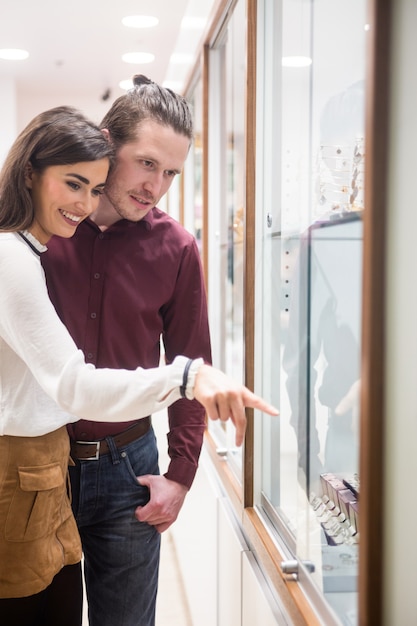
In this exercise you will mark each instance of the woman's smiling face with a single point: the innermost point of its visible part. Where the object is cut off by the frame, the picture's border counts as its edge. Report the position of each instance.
(64, 195)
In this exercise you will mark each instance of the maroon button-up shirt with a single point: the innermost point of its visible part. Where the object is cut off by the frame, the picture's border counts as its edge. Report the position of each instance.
(117, 292)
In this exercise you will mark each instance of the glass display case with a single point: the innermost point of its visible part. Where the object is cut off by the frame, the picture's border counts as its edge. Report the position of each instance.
(309, 288)
(284, 163)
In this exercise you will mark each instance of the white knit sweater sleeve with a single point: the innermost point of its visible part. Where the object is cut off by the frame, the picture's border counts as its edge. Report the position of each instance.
(35, 343)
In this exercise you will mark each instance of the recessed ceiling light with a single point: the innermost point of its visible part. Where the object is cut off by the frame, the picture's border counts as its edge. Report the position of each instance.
(126, 84)
(296, 61)
(138, 57)
(140, 21)
(13, 54)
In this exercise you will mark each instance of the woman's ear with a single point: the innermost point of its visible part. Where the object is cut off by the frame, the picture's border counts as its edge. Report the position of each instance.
(106, 133)
(28, 175)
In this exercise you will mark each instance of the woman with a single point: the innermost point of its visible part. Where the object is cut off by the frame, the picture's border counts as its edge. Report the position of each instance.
(51, 180)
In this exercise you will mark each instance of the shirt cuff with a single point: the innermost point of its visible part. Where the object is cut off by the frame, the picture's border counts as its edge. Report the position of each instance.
(181, 471)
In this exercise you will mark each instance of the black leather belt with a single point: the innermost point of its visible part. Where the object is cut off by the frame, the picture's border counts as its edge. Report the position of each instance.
(92, 450)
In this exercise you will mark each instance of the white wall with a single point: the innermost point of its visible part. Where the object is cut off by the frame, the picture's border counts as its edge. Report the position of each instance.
(29, 105)
(401, 375)
(8, 122)
(18, 109)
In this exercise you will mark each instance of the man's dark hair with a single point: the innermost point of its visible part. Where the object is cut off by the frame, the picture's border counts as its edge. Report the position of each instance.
(147, 101)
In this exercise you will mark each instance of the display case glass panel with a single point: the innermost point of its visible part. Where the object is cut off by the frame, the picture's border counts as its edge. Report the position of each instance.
(227, 93)
(192, 173)
(309, 285)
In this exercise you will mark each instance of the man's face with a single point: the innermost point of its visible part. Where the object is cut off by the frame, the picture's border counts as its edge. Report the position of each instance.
(144, 169)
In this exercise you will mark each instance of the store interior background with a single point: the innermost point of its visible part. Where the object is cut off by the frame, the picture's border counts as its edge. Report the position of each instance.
(75, 58)
(75, 53)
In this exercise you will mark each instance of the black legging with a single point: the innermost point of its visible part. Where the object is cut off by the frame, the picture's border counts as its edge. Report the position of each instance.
(58, 605)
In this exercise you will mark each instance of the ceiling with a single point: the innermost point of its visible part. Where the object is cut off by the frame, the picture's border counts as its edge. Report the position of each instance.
(76, 47)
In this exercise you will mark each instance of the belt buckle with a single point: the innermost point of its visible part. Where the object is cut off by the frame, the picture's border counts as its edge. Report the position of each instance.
(91, 443)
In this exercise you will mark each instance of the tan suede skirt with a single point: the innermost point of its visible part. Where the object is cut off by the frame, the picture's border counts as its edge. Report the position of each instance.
(38, 533)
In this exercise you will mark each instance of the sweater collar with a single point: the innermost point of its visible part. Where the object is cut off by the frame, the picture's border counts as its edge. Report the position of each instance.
(32, 242)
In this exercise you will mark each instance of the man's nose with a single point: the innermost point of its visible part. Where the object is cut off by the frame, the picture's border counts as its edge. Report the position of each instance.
(153, 183)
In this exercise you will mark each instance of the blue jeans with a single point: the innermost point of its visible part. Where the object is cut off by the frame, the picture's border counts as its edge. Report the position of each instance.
(121, 555)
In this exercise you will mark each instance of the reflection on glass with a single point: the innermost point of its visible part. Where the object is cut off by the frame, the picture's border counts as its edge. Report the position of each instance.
(235, 189)
(192, 173)
(233, 110)
(311, 300)
(333, 309)
(197, 162)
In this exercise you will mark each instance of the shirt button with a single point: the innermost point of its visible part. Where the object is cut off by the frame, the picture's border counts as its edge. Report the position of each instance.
(89, 355)
(93, 316)
(96, 275)
(101, 236)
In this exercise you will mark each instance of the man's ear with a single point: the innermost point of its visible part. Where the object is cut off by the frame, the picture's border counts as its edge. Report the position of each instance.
(28, 174)
(106, 133)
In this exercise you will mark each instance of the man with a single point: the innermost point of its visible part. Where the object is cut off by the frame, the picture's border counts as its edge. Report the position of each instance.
(130, 275)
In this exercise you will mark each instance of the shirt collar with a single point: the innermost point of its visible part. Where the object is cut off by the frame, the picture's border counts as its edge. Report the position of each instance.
(147, 222)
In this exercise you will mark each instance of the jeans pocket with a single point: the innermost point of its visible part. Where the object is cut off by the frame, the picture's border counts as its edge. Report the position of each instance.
(36, 504)
(141, 457)
(129, 464)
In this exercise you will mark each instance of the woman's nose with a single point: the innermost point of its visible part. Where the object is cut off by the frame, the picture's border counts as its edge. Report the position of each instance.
(88, 205)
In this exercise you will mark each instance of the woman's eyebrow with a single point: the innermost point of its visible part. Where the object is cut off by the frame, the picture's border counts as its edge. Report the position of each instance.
(85, 180)
(80, 178)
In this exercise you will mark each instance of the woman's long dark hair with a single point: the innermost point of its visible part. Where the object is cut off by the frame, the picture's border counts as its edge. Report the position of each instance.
(58, 136)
